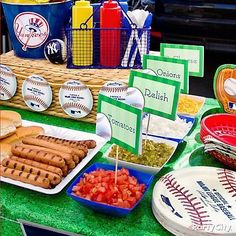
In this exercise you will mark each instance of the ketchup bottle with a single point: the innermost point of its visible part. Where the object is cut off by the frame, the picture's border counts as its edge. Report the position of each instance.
(110, 17)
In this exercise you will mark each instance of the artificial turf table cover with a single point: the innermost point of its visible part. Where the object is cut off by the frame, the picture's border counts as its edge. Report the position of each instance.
(63, 213)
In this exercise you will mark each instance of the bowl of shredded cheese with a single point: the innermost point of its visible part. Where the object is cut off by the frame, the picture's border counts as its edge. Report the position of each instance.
(190, 104)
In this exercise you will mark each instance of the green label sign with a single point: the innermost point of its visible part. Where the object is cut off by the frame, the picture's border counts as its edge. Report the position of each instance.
(161, 95)
(125, 122)
(194, 55)
(169, 68)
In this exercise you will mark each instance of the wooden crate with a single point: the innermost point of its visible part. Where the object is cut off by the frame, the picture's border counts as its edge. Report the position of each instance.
(56, 75)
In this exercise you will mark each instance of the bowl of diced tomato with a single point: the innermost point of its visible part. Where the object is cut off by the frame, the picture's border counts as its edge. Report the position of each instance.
(95, 188)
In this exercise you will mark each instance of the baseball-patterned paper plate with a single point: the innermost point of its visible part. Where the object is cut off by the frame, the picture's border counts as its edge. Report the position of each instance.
(8, 84)
(166, 224)
(37, 93)
(114, 89)
(76, 99)
(134, 97)
(103, 126)
(197, 201)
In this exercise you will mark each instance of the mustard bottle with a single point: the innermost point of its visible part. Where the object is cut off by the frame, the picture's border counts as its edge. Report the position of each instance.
(82, 39)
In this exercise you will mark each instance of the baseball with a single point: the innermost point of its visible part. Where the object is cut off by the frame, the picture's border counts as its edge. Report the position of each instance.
(115, 90)
(149, 72)
(55, 51)
(37, 93)
(230, 86)
(76, 99)
(103, 126)
(134, 97)
(8, 84)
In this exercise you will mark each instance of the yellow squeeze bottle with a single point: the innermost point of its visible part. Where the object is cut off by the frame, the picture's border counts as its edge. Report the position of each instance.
(82, 39)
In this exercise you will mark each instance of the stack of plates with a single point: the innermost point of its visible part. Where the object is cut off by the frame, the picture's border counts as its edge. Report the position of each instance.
(212, 144)
(196, 201)
(218, 133)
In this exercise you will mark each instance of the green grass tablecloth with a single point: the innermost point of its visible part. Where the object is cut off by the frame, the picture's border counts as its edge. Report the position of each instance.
(63, 213)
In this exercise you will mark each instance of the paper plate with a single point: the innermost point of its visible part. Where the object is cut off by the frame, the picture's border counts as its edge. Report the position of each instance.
(197, 200)
(166, 224)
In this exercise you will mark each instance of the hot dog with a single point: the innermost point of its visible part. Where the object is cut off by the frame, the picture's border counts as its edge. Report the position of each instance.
(65, 170)
(53, 178)
(67, 157)
(71, 143)
(25, 177)
(40, 165)
(37, 155)
(76, 154)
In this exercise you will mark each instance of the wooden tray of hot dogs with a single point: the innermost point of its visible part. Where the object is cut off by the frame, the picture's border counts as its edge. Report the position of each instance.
(44, 171)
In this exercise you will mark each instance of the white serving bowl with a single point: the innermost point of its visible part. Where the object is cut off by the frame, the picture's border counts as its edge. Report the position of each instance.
(143, 168)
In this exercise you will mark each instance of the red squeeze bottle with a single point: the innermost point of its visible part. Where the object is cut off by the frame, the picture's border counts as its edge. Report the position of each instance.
(110, 17)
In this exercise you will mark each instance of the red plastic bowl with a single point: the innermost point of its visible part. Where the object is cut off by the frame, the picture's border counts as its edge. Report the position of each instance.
(223, 128)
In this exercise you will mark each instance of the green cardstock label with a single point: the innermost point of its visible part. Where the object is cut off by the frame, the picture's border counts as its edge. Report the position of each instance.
(169, 68)
(161, 95)
(125, 122)
(194, 55)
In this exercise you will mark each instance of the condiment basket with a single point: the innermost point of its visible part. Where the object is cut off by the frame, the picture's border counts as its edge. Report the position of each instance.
(85, 45)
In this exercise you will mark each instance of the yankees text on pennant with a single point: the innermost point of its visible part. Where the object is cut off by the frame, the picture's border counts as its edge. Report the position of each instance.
(169, 68)
(125, 122)
(161, 95)
(194, 54)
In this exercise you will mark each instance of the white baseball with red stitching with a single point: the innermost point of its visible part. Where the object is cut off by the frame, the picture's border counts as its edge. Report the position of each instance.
(201, 199)
(103, 126)
(76, 99)
(134, 97)
(37, 93)
(114, 89)
(230, 86)
(149, 72)
(8, 84)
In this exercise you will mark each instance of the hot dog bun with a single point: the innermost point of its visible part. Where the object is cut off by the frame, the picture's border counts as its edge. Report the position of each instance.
(6, 128)
(13, 139)
(5, 151)
(22, 132)
(29, 131)
(12, 116)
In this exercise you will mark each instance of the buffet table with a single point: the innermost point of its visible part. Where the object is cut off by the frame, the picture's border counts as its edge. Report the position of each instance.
(62, 213)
